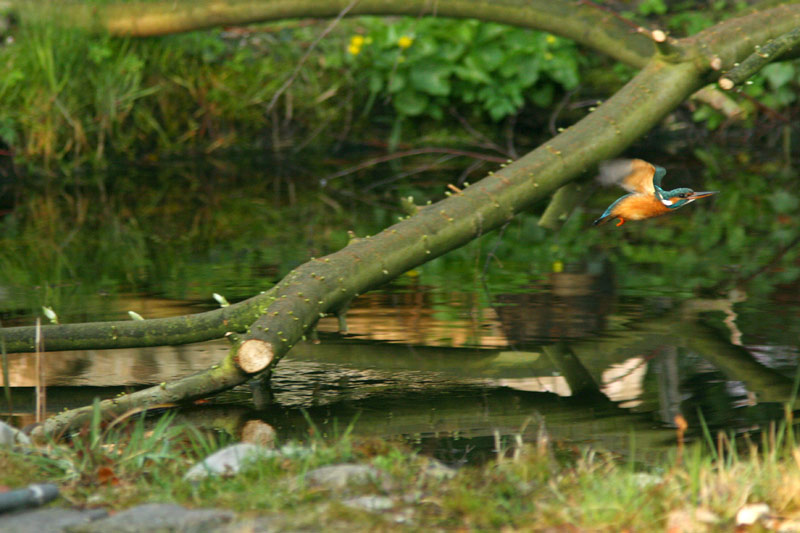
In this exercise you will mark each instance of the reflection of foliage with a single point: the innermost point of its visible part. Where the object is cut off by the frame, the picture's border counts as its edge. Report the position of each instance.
(426, 65)
(189, 233)
(705, 245)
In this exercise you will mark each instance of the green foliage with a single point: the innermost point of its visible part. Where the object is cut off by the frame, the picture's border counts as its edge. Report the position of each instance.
(70, 97)
(424, 66)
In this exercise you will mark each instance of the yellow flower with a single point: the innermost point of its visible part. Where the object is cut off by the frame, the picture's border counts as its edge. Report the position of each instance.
(357, 40)
(551, 39)
(404, 42)
(558, 266)
(353, 49)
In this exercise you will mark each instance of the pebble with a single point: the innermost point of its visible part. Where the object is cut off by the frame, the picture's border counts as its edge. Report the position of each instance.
(50, 520)
(10, 436)
(342, 476)
(228, 461)
(161, 517)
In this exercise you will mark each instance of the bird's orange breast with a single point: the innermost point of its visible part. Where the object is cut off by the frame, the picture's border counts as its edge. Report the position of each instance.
(639, 207)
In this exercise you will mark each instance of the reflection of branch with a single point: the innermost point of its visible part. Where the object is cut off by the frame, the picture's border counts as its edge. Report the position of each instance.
(774, 261)
(737, 363)
(419, 151)
(725, 305)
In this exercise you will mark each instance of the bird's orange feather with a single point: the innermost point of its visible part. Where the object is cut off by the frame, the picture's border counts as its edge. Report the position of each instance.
(639, 207)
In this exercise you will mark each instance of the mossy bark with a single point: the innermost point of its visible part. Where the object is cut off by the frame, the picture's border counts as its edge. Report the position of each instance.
(579, 21)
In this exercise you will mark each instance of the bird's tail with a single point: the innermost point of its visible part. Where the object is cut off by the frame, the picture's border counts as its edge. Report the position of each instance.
(602, 220)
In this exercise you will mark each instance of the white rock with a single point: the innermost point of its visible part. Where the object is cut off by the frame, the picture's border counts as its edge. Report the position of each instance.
(10, 436)
(228, 461)
(375, 504)
(343, 475)
(751, 513)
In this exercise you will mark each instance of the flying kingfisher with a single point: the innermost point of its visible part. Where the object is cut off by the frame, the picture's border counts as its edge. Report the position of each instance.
(646, 198)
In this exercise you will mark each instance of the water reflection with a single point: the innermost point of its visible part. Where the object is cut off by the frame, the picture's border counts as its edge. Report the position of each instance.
(422, 363)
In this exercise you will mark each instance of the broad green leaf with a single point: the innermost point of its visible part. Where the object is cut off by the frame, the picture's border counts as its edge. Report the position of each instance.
(409, 102)
(779, 74)
(432, 78)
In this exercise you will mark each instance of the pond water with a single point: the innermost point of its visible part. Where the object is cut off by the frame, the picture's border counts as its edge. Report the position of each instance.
(601, 339)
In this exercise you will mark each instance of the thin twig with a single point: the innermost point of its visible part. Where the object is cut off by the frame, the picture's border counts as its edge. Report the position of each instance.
(311, 48)
(488, 143)
(6, 373)
(41, 394)
(407, 153)
(558, 109)
(403, 175)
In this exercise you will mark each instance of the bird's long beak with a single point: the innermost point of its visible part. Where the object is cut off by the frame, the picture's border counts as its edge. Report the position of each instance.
(701, 194)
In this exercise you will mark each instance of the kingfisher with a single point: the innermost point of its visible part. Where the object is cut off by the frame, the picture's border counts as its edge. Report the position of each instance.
(646, 198)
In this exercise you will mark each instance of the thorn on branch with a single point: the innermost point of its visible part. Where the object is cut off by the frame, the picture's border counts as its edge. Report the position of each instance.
(408, 206)
(454, 188)
(666, 46)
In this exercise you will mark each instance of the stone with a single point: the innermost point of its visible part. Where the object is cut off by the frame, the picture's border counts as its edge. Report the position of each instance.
(751, 513)
(373, 504)
(345, 475)
(438, 470)
(158, 518)
(50, 520)
(10, 436)
(228, 461)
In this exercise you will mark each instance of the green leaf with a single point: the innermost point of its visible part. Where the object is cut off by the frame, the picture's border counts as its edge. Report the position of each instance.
(432, 78)
(470, 72)
(409, 102)
(376, 82)
(397, 82)
(779, 74)
(489, 57)
(784, 202)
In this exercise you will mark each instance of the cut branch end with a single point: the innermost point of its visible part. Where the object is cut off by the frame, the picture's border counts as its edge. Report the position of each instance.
(254, 356)
(726, 84)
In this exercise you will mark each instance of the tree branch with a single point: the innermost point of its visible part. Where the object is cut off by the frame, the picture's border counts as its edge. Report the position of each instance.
(758, 59)
(580, 22)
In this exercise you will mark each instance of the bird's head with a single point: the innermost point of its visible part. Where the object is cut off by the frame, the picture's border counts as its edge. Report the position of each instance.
(680, 197)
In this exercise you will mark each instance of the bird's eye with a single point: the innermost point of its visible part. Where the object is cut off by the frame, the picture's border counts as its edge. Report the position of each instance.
(683, 195)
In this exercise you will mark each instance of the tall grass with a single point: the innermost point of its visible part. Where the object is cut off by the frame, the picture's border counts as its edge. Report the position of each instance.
(70, 97)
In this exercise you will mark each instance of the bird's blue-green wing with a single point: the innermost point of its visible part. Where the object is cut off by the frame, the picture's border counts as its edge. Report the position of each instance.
(634, 175)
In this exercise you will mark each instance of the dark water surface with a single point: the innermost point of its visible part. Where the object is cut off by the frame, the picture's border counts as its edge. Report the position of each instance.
(475, 345)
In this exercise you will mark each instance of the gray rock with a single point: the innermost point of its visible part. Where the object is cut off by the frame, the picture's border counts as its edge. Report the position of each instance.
(158, 518)
(10, 436)
(257, 524)
(374, 504)
(438, 470)
(228, 461)
(345, 475)
(51, 520)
